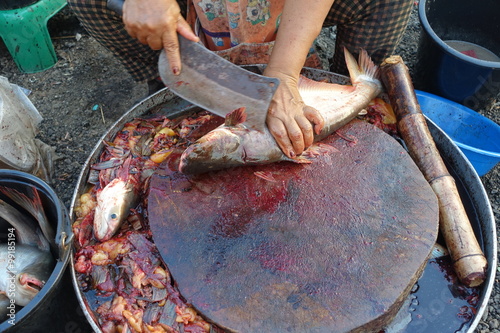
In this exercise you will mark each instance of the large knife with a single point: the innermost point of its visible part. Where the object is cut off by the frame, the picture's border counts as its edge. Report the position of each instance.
(218, 85)
(213, 83)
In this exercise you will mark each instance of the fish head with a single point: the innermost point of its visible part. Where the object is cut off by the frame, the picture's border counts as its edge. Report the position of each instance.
(220, 148)
(114, 202)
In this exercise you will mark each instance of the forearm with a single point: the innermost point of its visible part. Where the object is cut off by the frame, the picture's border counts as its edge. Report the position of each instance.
(288, 119)
(301, 23)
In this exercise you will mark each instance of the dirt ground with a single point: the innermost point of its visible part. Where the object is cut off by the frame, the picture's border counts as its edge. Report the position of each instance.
(88, 90)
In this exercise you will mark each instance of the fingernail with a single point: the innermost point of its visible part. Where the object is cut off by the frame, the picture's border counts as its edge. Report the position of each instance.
(175, 70)
(292, 154)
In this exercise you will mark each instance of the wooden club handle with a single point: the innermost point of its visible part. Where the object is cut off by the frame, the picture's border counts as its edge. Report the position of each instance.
(468, 259)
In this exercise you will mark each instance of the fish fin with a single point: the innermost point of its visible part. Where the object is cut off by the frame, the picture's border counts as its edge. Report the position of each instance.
(317, 149)
(265, 175)
(123, 171)
(43, 244)
(302, 159)
(384, 109)
(42, 219)
(364, 67)
(236, 117)
(113, 162)
(256, 120)
(351, 139)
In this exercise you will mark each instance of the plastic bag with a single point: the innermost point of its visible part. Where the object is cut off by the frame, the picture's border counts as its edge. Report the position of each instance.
(19, 121)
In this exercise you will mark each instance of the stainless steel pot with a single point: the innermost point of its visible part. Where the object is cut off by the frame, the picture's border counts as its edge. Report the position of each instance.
(166, 103)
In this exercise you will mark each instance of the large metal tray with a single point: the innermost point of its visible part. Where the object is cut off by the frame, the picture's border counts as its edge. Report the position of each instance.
(472, 191)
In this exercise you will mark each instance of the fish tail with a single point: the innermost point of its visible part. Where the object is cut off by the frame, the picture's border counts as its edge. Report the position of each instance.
(364, 68)
(43, 221)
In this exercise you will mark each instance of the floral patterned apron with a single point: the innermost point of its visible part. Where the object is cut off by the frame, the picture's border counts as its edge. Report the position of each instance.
(241, 31)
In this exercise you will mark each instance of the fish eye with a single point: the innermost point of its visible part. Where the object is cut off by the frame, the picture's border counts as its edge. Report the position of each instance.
(113, 216)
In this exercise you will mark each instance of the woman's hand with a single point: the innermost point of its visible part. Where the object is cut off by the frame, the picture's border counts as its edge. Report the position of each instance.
(289, 120)
(156, 23)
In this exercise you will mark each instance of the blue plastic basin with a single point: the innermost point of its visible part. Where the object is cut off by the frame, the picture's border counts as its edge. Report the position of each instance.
(477, 136)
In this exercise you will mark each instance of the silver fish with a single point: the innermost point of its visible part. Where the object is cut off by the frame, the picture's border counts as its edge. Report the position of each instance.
(27, 231)
(35, 207)
(113, 205)
(233, 144)
(24, 270)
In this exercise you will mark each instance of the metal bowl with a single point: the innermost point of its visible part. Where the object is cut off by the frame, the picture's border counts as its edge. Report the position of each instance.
(38, 314)
(475, 198)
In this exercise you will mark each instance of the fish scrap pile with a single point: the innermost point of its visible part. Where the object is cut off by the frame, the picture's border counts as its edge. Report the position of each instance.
(26, 261)
(117, 263)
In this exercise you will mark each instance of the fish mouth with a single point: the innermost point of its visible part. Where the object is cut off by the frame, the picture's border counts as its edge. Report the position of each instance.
(104, 232)
(102, 237)
(31, 283)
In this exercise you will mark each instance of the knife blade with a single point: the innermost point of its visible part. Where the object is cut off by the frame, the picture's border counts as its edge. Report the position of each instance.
(217, 85)
(214, 83)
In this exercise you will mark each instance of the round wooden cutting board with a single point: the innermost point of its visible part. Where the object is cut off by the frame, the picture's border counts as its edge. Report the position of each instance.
(332, 246)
